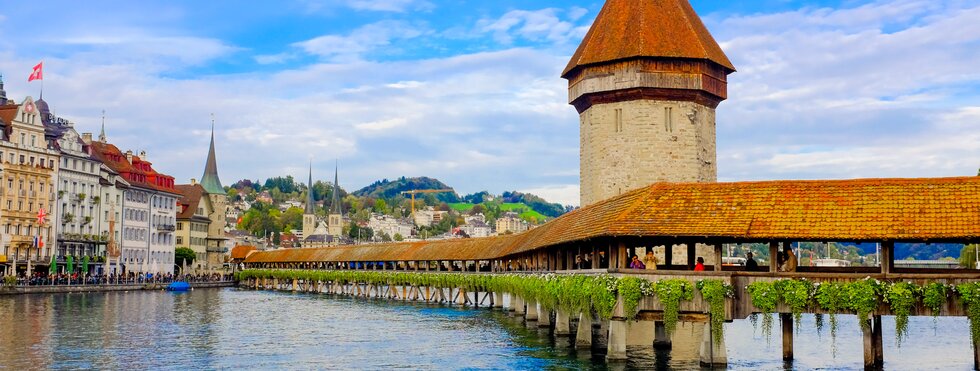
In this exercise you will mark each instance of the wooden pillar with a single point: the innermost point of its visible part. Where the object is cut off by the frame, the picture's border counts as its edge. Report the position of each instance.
(876, 335)
(583, 336)
(718, 250)
(976, 356)
(872, 341)
(660, 338)
(887, 257)
(786, 322)
(691, 254)
(773, 253)
(621, 258)
(669, 254)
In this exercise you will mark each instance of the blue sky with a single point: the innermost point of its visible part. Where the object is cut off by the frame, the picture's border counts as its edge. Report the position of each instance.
(469, 91)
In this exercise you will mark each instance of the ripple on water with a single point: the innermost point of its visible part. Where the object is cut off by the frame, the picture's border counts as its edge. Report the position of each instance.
(230, 329)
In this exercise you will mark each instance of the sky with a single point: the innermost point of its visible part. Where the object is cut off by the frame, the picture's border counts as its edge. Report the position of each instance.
(469, 91)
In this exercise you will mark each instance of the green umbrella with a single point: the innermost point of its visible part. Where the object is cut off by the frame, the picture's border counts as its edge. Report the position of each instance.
(69, 267)
(85, 265)
(53, 268)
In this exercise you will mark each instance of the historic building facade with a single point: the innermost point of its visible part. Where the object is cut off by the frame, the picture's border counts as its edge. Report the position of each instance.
(79, 205)
(149, 211)
(646, 97)
(30, 167)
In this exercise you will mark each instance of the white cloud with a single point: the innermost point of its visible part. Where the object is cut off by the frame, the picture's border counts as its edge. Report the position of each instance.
(363, 40)
(274, 58)
(565, 194)
(535, 25)
(398, 6)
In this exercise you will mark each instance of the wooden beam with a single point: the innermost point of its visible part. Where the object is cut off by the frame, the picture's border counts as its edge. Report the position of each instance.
(691, 254)
(717, 249)
(681, 317)
(887, 257)
(773, 252)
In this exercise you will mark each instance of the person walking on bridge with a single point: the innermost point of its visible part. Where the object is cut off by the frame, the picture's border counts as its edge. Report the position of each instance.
(650, 260)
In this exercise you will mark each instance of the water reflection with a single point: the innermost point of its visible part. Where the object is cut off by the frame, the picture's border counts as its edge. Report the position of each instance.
(229, 328)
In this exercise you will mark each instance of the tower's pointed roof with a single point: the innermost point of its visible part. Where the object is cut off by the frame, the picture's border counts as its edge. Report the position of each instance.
(335, 204)
(210, 179)
(310, 210)
(647, 28)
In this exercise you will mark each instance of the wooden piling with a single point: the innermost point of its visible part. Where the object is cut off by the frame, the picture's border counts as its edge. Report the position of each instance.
(786, 322)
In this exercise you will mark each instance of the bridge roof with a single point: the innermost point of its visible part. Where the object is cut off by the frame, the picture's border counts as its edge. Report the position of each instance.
(920, 209)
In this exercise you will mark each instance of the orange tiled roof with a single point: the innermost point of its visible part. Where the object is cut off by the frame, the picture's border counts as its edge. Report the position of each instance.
(819, 210)
(189, 200)
(647, 28)
(241, 251)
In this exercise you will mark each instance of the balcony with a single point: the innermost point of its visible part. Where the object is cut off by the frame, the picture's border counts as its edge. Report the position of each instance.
(217, 249)
(84, 238)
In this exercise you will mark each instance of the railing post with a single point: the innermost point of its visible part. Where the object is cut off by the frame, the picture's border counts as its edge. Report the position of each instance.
(773, 253)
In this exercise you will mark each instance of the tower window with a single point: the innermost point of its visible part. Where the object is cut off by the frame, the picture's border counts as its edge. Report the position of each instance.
(668, 119)
(619, 120)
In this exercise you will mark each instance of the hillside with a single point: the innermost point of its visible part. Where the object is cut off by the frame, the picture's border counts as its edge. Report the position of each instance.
(388, 189)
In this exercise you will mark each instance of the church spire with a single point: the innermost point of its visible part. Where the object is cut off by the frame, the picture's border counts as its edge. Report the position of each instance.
(335, 204)
(310, 209)
(209, 180)
(102, 133)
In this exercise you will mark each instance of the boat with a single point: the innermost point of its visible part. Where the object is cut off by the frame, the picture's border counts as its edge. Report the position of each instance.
(178, 286)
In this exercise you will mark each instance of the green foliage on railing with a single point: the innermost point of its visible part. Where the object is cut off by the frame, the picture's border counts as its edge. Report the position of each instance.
(715, 291)
(798, 294)
(632, 289)
(765, 296)
(970, 295)
(934, 297)
(832, 297)
(901, 298)
(863, 297)
(671, 292)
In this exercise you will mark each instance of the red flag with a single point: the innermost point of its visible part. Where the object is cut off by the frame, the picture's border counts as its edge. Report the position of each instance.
(37, 73)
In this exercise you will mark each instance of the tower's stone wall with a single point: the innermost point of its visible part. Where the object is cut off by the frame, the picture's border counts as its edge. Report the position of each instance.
(631, 144)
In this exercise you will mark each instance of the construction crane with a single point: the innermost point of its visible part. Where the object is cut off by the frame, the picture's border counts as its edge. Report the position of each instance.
(418, 191)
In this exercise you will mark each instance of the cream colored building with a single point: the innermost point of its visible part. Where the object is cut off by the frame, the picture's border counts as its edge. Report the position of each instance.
(30, 168)
(511, 222)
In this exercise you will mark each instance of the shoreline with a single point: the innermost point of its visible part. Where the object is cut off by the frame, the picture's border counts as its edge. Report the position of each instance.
(64, 289)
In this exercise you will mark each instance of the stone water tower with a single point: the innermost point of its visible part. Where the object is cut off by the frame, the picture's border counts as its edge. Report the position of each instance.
(646, 81)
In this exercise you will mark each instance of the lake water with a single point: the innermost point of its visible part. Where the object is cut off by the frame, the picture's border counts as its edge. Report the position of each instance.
(231, 328)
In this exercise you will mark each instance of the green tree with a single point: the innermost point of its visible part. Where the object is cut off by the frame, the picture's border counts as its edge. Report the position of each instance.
(292, 219)
(398, 237)
(184, 255)
(380, 206)
(232, 194)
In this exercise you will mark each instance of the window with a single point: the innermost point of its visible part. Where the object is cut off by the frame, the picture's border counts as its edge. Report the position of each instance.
(33, 140)
(668, 119)
(180, 240)
(22, 159)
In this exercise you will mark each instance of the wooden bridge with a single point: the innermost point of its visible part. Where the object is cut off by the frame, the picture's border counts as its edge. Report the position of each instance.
(682, 222)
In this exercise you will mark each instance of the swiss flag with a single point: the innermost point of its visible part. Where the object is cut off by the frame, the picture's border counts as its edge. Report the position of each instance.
(37, 74)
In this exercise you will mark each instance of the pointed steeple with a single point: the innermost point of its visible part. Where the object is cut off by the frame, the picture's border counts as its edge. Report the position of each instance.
(102, 133)
(626, 29)
(310, 207)
(335, 204)
(209, 180)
